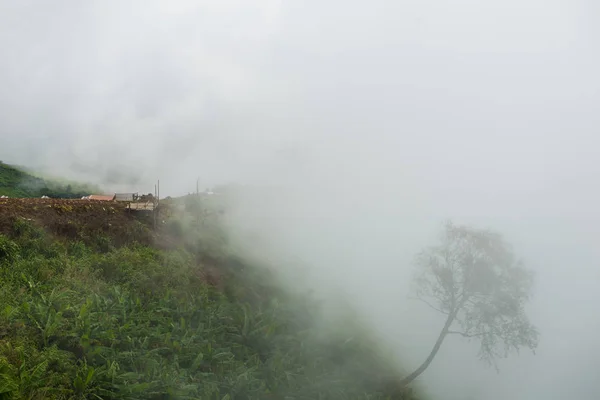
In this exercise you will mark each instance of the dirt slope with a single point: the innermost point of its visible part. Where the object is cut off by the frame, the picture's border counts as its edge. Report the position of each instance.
(77, 219)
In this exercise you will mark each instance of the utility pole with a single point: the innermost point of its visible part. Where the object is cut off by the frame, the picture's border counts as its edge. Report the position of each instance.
(154, 207)
(198, 187)
(157, 202)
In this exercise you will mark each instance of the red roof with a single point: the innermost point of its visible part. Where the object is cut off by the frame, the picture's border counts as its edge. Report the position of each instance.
(101, 197)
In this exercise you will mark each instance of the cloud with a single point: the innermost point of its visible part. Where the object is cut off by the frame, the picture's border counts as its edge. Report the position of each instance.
(379, 118)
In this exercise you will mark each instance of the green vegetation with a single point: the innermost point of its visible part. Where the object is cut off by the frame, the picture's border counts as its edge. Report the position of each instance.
(15, 182)
(99, 317)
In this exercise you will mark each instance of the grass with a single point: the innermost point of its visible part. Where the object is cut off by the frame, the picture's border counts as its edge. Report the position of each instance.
(92, 319)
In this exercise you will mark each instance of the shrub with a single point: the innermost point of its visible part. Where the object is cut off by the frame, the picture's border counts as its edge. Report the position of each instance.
(84, 321)
(9, 250)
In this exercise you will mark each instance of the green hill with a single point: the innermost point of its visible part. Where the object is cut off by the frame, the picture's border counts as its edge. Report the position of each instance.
(17, 182)
(96, 303)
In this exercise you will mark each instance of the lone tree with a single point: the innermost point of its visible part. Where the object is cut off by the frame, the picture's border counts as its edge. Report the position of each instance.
(473, 277)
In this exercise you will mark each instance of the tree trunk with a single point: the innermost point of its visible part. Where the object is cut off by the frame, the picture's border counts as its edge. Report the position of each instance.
(436, 347)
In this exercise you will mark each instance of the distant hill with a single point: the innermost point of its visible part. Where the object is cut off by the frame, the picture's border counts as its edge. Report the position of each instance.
(17, 182)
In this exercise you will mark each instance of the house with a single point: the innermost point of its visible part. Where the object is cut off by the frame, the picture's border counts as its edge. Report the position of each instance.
(100, 197)
(126, 197)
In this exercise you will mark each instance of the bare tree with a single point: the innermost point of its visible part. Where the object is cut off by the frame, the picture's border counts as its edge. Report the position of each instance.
(473, 277)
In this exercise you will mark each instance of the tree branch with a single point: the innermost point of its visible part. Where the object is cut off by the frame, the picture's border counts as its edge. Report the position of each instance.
(467, 335)
(429, 304)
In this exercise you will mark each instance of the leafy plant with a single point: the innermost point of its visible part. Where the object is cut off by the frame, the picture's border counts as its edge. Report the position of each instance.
(100, 318)
(9, 250)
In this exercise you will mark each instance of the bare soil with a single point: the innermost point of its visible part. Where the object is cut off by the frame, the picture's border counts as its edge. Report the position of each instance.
(76, 219)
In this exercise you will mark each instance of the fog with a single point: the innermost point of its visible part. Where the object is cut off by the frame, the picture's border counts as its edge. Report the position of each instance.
(378, 120)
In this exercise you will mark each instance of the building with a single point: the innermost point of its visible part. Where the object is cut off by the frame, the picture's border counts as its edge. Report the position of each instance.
(101, 197)
(126, 197)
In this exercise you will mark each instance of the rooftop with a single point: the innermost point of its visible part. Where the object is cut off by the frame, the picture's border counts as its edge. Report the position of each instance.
(101, 197)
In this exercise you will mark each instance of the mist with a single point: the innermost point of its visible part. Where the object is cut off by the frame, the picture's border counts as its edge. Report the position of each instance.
(376, 121)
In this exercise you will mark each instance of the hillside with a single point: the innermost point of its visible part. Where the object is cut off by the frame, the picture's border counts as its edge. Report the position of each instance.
(17, 182)
(96, 304)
